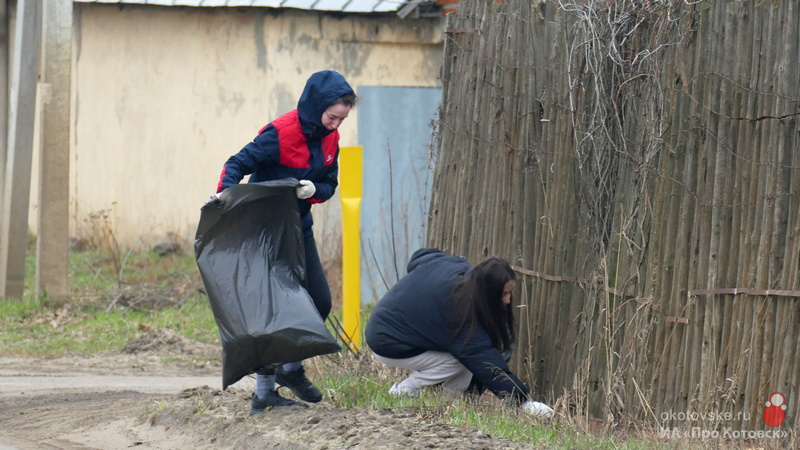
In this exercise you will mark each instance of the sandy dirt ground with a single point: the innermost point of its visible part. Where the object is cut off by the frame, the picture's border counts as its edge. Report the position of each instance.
(144, 397)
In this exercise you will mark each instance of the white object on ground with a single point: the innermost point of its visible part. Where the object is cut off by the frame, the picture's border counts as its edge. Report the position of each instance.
(537, 409)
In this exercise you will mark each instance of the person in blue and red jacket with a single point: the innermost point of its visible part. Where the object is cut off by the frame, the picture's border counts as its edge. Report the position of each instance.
(450, 323)
(301, 144)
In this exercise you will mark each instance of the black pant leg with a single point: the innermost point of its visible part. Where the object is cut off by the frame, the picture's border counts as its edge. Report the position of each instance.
(316, 281)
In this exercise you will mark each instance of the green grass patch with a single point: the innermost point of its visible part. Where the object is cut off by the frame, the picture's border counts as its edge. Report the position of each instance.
(358, 381)
(112, 299)
(31, 329)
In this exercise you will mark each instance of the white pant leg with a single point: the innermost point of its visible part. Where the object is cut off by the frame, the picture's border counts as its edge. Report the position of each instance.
(432, 368)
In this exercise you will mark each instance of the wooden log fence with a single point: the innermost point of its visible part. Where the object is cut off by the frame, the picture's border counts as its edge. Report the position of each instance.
(638, 164)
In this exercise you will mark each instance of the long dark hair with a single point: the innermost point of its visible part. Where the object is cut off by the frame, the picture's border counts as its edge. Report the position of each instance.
(477, 299)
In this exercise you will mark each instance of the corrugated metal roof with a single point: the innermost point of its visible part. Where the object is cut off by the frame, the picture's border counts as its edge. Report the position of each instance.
(353, 6)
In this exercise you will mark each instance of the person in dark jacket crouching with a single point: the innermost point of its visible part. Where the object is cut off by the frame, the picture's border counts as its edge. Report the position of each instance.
(451, 324)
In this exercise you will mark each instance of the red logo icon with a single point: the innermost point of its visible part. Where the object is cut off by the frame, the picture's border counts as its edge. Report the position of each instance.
(775, 412)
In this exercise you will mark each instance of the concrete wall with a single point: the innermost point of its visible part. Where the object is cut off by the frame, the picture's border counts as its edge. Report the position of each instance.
(163, 96)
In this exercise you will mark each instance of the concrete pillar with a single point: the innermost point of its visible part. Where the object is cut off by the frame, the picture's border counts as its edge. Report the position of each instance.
(3, 95)
(22, 113)
(52, 251)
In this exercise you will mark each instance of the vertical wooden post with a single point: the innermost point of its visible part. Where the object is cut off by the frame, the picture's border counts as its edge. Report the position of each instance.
(16, 191)
(52, 250)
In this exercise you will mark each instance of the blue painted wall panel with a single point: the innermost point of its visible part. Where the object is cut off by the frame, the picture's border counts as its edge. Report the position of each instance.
(395, 128)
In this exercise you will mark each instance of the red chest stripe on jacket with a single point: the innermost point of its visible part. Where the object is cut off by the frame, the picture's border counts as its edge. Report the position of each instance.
(293, 147)
(221, 177)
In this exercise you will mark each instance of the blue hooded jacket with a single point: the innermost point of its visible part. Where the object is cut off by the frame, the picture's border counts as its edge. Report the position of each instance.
(296, 145)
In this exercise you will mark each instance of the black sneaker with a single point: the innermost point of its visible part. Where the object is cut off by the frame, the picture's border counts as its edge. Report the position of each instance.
(297, 382)
(271, 400)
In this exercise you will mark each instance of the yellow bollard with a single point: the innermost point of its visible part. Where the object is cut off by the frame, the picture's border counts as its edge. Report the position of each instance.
(351, 165)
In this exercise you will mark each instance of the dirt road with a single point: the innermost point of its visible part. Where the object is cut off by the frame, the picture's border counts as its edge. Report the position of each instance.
(143, 399)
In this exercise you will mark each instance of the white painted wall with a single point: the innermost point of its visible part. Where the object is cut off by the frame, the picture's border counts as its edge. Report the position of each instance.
(163, 96)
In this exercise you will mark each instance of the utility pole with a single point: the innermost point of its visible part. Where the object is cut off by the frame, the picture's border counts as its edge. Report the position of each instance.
(52, 245)
(22, 114)
(4, 42)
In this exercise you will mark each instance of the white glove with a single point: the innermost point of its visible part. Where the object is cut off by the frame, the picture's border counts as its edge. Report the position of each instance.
(306, 189)
(212, 198)
(537, 409)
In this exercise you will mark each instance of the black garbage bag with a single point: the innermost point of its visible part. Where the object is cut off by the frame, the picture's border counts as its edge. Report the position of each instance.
(249, 248)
